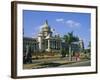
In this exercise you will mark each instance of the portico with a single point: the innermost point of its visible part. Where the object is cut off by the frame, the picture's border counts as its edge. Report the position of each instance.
(53, 45)
(48, 42)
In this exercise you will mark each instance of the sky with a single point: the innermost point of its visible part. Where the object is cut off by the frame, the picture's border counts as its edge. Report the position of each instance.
(60, 22)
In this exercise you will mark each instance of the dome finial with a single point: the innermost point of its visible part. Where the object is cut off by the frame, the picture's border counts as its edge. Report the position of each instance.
(46, 22)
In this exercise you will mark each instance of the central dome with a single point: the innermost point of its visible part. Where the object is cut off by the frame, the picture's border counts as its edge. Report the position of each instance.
(46, 27)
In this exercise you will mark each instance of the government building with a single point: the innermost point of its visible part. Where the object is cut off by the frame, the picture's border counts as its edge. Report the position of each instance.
(48, 42)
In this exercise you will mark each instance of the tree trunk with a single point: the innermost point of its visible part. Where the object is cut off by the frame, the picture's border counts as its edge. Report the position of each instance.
(70, 53)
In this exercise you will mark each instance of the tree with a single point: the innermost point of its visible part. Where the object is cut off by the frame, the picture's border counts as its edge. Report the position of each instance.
(28, 57)
(89, 47)
(63, 53)
(69, 38)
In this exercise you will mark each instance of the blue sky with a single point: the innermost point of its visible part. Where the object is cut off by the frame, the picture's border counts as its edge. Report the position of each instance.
(62, 22)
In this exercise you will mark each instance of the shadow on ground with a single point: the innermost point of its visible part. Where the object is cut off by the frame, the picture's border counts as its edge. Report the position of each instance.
(50, 64)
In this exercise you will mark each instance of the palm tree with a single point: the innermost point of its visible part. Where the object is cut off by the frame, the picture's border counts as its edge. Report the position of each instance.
(89, 47)
(69, 38)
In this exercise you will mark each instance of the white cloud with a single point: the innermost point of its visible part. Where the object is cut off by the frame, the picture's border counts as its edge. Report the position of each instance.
(69, 23)
(60, 20)
(72, 23)
(37, 29)
(40, 27)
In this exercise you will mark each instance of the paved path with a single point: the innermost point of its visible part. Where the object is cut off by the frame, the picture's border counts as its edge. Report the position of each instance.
(56, 62)
(82, 63)
(49, 60)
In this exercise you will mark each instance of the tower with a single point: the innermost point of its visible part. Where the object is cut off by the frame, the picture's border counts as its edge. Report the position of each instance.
(44, 32)
(46, 29)
(40, 40)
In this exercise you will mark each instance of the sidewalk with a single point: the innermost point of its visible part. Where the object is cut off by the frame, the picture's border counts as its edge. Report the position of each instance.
(53, 62)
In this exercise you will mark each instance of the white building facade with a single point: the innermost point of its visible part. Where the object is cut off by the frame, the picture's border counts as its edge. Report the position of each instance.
(47, 42)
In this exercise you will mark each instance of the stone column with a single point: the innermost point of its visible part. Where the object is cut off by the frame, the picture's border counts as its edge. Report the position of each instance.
(60, 45)
(51, 43)
(56, 45)
(48, 45)
(36, 47)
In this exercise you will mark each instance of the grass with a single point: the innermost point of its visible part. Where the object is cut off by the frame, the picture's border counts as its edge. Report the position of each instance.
(46, 64)
(45, 55)
(44, 60)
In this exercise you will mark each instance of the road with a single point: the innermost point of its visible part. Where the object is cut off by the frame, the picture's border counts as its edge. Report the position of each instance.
(83, 63)
(56, 62)
(49, 60)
